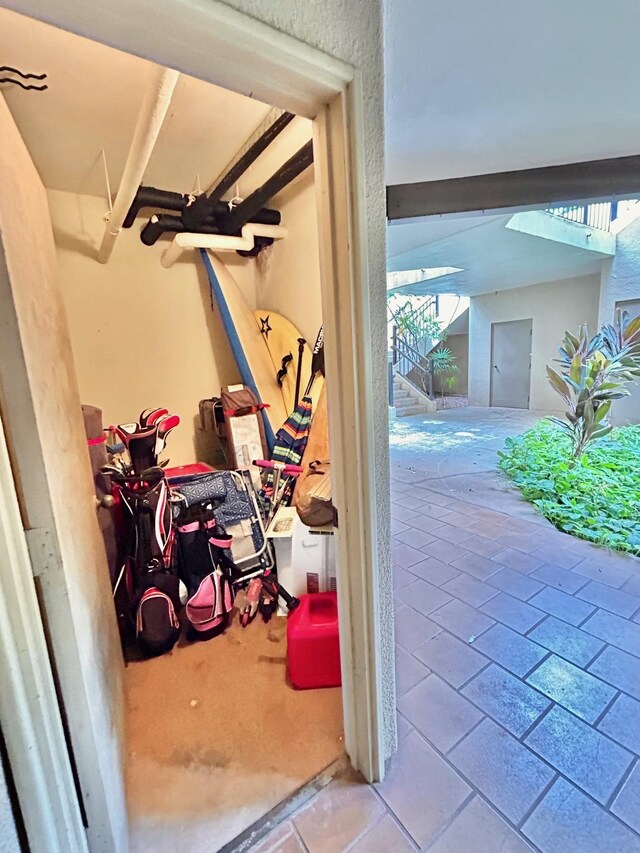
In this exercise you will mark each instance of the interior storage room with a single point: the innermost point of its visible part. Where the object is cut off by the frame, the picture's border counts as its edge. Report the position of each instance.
(190, 295)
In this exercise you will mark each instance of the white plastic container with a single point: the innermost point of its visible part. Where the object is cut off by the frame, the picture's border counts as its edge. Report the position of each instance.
(305, 555)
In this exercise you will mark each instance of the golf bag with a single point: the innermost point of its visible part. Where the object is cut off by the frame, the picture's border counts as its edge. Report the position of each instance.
(228, 498)
(151, 592)
(207, 570)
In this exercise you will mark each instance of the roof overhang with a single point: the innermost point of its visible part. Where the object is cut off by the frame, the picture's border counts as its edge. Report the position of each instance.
(496, 252)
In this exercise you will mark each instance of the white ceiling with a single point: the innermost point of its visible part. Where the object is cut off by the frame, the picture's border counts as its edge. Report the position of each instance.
(92, 103)
(471, 88)
(495, 252)
(474, 87)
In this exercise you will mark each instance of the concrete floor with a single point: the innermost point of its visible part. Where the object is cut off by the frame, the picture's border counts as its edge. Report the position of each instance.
(518, 670)
(217, 738)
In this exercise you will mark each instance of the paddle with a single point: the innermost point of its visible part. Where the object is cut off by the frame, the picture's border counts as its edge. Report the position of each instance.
(301, 345)
(317, 360)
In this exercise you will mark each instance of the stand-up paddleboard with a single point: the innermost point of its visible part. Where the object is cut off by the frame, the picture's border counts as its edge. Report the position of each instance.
(247, 345)
(281, 338)
(312, 495)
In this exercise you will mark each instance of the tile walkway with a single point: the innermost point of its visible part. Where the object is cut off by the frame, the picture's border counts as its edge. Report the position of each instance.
(518, 672)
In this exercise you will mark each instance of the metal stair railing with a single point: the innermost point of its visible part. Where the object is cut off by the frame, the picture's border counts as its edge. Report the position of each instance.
(427, 310)
(406, 359)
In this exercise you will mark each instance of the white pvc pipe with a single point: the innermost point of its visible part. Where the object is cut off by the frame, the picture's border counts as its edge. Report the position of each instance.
(221, 242)
(153, 110)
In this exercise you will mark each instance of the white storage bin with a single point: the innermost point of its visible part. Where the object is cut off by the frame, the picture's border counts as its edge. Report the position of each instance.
(305, 555)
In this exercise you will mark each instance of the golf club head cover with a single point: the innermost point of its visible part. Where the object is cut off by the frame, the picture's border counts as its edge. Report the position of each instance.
(165, 424)
(149, 417)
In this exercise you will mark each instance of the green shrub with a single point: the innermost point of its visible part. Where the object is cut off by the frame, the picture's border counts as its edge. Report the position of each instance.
(595, 497)
(443, 365)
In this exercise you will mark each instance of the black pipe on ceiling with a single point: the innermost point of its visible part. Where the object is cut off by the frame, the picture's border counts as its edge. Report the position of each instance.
(231, 222)
(238, 169)
(199, 212)
(152, 197)
(209, 214)
(238, 216)
(204, 207)
(163, 223)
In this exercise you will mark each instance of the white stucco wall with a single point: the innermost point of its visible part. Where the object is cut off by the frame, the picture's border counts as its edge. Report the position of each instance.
(554, 307)
(620, 282)
(352, 31)
(162, 305)
(620, 278)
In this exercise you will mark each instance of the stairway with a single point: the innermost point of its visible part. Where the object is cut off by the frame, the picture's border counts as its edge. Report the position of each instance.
(408, 400)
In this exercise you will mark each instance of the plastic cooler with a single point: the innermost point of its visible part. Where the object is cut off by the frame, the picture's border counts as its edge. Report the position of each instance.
(313, 644)
(305, 555)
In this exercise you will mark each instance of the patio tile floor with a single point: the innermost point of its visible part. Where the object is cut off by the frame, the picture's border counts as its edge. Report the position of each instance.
(587, 758)
(569, 686)
(565, 640)
(512, 651)
(622, 722)
(512, 612)
(519, 720)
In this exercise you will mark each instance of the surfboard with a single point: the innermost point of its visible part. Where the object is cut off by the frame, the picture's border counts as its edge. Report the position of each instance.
(281, 338)
(247, 344)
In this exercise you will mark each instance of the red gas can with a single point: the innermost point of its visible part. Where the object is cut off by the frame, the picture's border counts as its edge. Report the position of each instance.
(313, 645)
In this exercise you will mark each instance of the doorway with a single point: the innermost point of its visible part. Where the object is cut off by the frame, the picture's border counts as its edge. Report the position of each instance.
(364, 729)
(511, 364)
(205, 723)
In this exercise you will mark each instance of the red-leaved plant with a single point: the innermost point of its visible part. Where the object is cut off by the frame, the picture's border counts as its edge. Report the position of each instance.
(594, 372)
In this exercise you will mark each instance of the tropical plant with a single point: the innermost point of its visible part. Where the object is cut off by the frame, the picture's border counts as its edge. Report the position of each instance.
(444, 364)
(593, 373)
(450, 383)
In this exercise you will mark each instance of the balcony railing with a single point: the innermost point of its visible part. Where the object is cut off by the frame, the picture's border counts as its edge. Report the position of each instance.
(599, 215)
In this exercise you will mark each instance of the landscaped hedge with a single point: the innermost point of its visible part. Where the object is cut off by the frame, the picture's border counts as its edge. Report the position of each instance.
(596, 497)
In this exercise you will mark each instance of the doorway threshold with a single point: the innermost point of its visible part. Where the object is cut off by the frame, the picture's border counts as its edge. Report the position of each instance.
(288, 807)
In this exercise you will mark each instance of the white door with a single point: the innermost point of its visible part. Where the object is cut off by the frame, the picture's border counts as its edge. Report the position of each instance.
(30, 718)
(43, 423)
(511, 363)
(627, 410)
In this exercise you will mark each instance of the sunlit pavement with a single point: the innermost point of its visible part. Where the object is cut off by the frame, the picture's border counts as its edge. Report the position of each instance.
(518, 654)
(517, 669)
